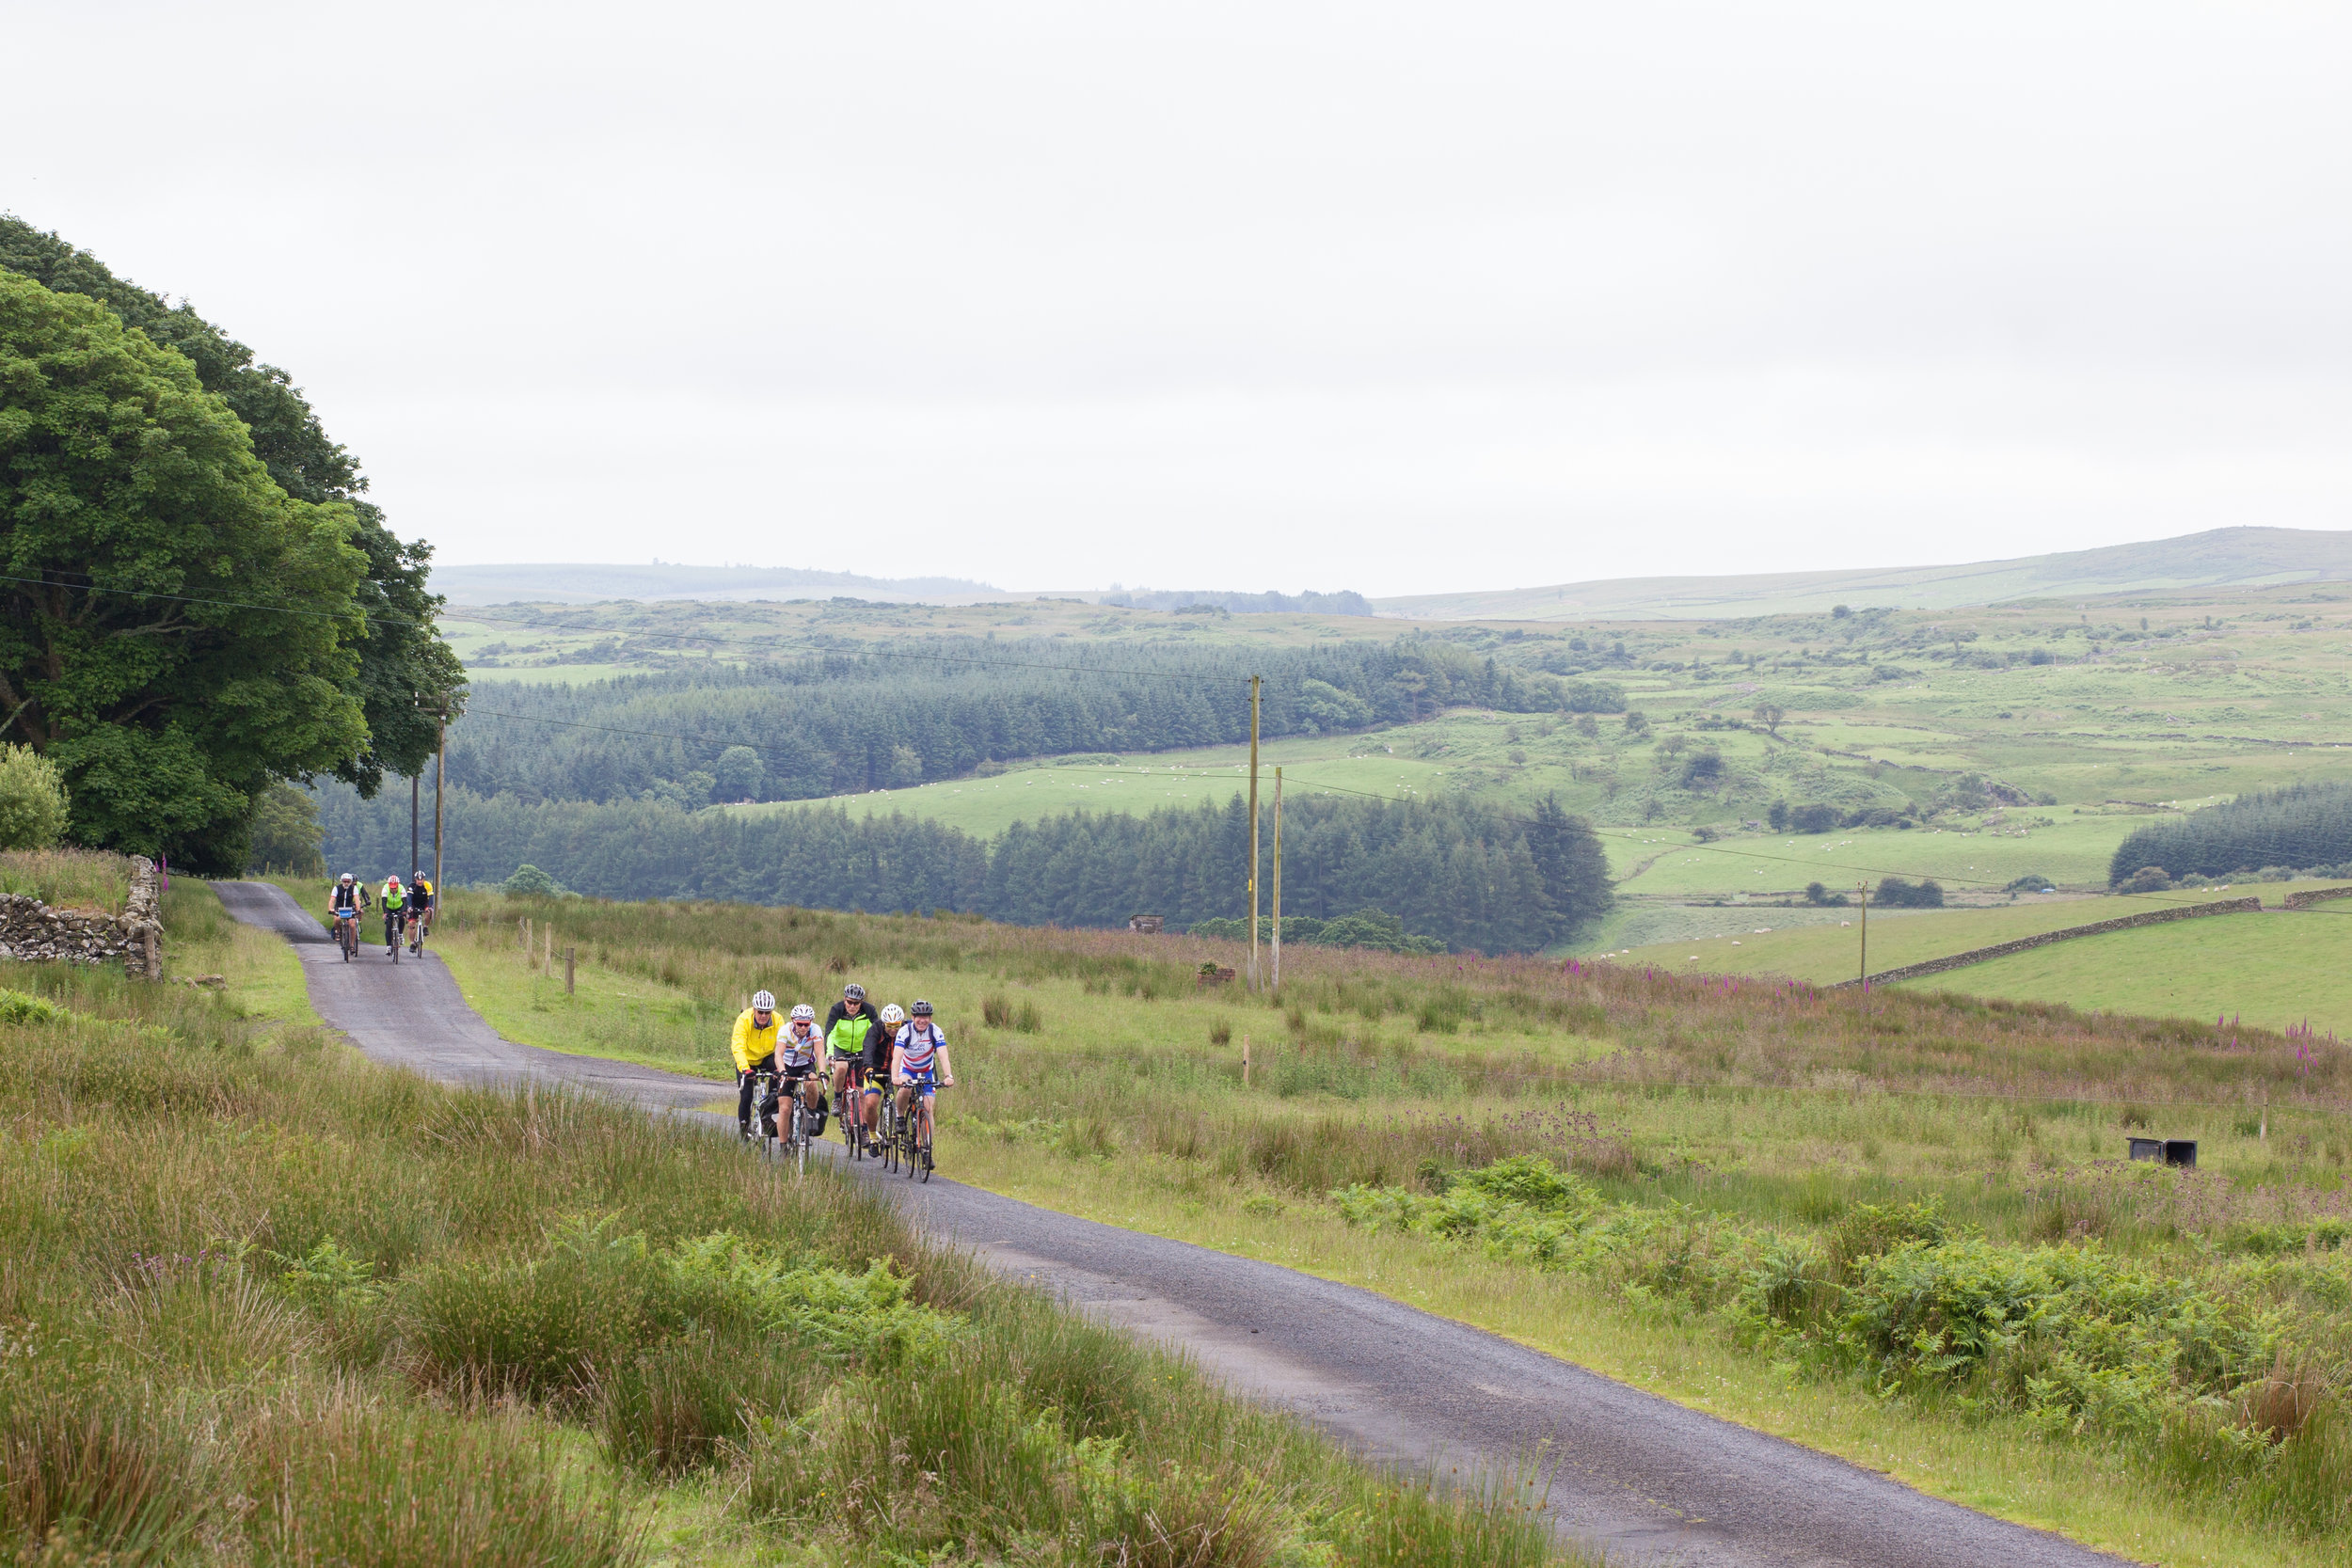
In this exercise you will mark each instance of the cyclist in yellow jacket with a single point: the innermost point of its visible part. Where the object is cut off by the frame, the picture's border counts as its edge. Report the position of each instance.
(753, 1043)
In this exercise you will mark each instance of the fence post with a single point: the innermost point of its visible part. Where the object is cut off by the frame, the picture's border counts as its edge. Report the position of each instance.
(568, 972)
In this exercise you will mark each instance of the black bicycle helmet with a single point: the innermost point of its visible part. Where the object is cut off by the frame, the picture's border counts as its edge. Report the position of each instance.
(922, 1009)
(853, 993)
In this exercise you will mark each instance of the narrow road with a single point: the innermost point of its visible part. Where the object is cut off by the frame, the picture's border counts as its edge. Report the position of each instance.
(1638, 1477)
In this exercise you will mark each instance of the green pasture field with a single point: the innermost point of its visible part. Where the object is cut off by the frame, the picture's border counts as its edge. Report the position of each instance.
(2278, 969)
(1146, 782)
(2074, 851)
(1732, 1123)
(269, 1302)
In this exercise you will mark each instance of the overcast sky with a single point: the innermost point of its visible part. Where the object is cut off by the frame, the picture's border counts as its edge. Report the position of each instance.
(1395, 298)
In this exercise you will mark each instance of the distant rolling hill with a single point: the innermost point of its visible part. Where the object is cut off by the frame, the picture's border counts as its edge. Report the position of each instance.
(589, 583)
(2226, 557)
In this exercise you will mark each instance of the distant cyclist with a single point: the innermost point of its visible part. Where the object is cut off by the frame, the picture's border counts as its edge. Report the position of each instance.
(395, 900)
(919, 1066)
(849, 1034)
(753, 1043)
(800, 1069)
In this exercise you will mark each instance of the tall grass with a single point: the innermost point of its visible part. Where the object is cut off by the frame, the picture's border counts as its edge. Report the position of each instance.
(68, 878)
(262, 1301)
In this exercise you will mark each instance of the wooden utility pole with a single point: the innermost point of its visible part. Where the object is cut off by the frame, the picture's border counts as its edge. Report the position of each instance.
(442, 705)
(1254, 834)
(1862, 897)
(1278, 884)
(440, 778)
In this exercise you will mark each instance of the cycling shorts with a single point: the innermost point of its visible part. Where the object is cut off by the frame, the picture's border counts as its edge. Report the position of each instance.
(924, 1084)
(791, 1074)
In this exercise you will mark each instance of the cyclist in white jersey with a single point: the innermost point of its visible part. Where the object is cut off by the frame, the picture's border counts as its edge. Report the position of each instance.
(800, 1052)
(919, 1060)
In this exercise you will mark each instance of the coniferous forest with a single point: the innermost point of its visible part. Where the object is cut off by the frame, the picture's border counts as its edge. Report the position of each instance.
(2302, 828)
(1467, 874)
(942, 707)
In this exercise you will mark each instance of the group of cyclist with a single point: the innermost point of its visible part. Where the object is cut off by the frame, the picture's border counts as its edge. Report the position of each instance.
(843, 1068)
(407, 909)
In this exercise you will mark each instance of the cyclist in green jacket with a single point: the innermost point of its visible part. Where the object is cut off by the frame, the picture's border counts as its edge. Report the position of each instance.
(849, 1030)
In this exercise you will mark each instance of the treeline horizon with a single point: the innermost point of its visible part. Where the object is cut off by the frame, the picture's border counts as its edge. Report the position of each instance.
(815, 727)
(1470, 875)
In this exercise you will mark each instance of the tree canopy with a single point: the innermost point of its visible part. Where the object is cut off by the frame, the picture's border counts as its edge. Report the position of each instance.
(180, 629)
(399, 653)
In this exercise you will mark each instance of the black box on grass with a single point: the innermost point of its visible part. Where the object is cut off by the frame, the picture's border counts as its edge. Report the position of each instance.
(2172, 1152)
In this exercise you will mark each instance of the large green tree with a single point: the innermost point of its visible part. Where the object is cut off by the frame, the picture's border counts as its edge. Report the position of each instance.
(401, 655)
(179, 631)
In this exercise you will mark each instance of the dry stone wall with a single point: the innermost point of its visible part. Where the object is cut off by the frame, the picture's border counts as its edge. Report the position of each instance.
(31, 931)
(2121, 923)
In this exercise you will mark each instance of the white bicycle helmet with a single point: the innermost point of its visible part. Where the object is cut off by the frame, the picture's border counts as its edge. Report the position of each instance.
(763, 1002)
(804, 1013)
(894, 1014)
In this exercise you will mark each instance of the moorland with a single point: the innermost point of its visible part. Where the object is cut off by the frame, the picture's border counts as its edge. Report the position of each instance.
(1899, 1226)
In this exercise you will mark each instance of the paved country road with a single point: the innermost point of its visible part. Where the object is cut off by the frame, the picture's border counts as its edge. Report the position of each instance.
(1640, 1478)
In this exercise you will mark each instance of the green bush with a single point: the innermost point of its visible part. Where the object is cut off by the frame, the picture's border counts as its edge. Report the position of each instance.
(529, 881)
(33, 802)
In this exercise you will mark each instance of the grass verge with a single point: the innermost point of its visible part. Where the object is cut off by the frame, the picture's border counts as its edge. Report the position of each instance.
(263, 1302)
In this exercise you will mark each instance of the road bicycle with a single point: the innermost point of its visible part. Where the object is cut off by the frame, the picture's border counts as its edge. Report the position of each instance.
(798, 1124)
(887, 1126)
(915, 1137)
(848, 1105)
(347, 933)
(415, 932)
(759, 1131)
